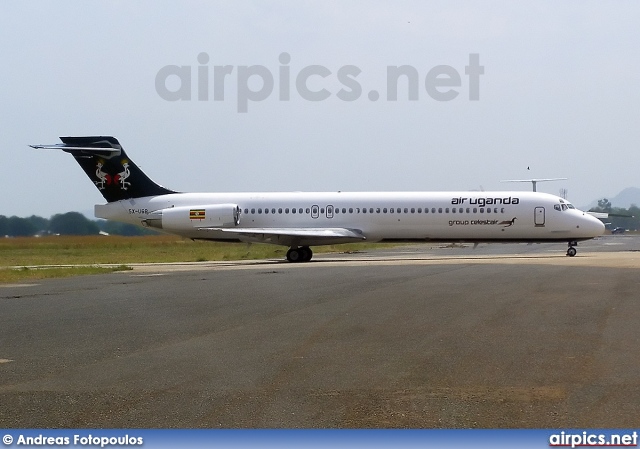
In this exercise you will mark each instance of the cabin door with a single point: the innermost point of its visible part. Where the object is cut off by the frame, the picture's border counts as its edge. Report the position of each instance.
(538, 216)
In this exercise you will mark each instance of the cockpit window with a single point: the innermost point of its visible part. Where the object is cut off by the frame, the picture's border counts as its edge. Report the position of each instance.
(563, 206)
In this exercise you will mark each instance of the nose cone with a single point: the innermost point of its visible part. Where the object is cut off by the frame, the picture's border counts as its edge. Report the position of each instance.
(592, 226)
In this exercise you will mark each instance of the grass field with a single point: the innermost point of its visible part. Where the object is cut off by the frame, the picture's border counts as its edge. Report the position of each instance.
(17, 254)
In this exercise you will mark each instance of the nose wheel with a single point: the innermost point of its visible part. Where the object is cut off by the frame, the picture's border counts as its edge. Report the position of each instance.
(301, 254)
(572, 251)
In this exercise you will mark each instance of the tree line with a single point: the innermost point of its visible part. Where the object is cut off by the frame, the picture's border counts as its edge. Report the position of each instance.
(70, 223)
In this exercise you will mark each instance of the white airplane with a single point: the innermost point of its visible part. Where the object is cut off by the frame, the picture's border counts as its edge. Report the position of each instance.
(302, 220)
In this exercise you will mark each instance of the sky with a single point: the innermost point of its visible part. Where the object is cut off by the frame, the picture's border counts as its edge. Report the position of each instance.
(225, 96)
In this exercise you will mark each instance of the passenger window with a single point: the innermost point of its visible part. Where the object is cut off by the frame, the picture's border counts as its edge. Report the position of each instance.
(308, 211)
(446, 210)
(364, 210)
(266, 211)
(260, 210)
(419, 210)
(453, 209)
(253, 211)
(286, 211)
(293, 210)
(377, 210)
(475, 210)
(482, 210)
(413, 211)
(439, 210)
(280, 210)
(467, 210)
(322, 210)
(351, 210)
(246, 211)
(384, 211)
(392, 210)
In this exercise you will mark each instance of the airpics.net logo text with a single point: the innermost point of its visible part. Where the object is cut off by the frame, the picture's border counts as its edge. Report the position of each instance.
(256, 83)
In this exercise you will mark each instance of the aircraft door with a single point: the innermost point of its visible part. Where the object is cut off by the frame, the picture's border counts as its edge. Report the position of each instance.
(538, 216)
(315, 211)
(329, 211)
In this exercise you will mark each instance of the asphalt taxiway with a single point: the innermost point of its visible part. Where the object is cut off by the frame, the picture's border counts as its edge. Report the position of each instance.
(420, 336)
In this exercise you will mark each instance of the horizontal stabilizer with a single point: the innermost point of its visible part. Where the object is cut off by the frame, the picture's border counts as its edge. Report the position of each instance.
(106, 146)
(79, 151)
(107, 165)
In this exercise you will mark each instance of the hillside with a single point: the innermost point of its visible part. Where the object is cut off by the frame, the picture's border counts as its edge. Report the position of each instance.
(624, 199)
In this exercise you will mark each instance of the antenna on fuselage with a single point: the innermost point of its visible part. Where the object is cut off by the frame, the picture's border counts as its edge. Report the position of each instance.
(534, 182)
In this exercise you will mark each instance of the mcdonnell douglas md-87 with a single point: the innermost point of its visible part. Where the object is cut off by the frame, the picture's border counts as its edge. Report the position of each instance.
(301, 220)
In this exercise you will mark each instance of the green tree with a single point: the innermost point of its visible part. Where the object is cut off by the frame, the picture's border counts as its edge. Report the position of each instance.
(72, 223)
(604, 205)
(40, 223)
(20, 227)
(4, 226)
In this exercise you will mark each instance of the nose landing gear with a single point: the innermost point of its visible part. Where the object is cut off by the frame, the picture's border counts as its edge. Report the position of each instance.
(572, 251)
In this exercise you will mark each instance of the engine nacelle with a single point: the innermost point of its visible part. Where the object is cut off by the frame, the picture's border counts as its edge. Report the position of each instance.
(189, 217)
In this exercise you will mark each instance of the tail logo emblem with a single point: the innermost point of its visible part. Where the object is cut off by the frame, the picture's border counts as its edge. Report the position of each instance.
(106, 179)
(123, 175)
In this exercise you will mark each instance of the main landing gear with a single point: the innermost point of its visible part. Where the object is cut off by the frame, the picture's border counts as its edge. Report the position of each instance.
(572, 249)
(301, 254)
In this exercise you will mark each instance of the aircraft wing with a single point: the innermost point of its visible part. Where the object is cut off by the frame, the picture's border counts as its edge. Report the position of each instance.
(304, 234)
(607, 215)
(598, 214)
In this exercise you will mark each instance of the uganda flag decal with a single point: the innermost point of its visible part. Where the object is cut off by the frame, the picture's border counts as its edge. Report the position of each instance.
(196, 214)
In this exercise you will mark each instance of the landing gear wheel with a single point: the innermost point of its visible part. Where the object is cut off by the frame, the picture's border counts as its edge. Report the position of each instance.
(302, 254)
(294, 255)
(571, 251)
(307, 254)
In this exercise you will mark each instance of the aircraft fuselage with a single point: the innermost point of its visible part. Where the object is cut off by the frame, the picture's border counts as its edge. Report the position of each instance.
(377, 216)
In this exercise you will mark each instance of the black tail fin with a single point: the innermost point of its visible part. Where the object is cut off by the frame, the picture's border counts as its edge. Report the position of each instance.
(103, 159)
